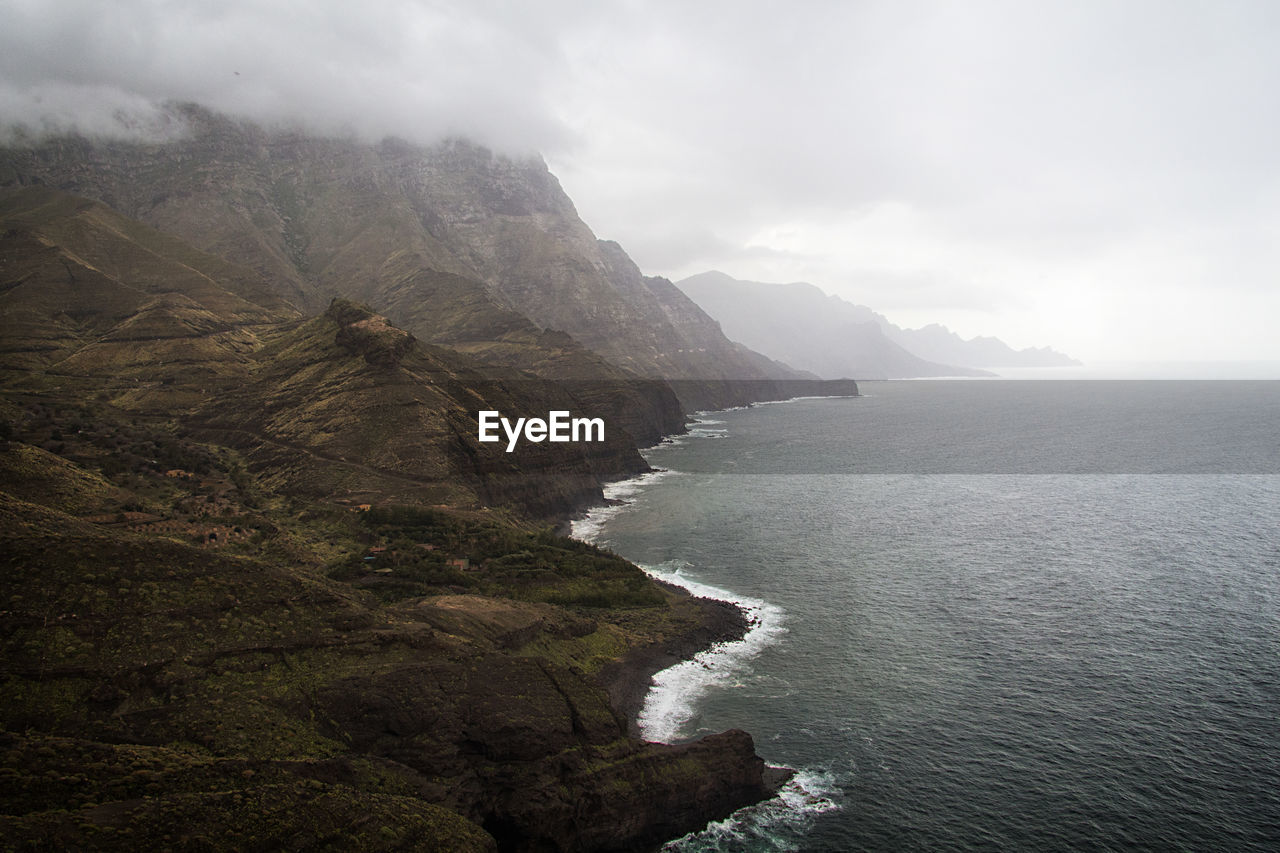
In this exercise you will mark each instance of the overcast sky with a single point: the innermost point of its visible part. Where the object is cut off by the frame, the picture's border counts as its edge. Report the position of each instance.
(1101, 177)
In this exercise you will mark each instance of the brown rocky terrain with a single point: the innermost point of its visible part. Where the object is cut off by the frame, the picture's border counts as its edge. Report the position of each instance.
(458, 246)
(388, 648)
(396, 678)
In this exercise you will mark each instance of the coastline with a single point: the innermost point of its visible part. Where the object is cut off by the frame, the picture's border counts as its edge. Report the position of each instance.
(654, 688)
(629, 680)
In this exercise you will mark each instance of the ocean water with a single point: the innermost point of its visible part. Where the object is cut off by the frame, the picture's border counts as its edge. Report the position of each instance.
(987, 615)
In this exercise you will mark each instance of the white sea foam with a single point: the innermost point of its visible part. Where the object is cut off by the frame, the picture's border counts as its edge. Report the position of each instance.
(670, 706)
(778, 824)
(619, 493)
(671, 702)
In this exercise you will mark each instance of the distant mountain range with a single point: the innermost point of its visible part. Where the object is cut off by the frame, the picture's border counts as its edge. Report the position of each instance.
(810, 330)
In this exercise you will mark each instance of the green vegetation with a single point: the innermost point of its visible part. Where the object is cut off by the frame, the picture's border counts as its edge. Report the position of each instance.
(204, 643)
(423, 551)
(316, 664)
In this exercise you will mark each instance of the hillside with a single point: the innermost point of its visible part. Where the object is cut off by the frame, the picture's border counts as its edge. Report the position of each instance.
(94, 305)
(92, 297)
(348, 407)
(458, 246)
(191, 661)
(265, 588)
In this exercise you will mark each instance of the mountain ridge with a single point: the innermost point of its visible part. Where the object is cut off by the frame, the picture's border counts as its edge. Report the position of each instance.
(492, 244)
(263, 580)
(854, 338)
(273, 583)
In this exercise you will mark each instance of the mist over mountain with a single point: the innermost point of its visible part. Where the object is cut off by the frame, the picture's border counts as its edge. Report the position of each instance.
(247, 508)
(802, 326)
(482, 253)
(938, 343)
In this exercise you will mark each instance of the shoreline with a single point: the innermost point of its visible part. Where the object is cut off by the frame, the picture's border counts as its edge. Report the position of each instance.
(629, 680)
(707, 622)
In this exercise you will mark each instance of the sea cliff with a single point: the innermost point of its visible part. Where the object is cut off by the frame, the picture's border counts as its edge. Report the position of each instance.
(262, 585)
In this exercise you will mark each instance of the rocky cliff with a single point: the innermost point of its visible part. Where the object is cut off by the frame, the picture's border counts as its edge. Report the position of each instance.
(456, 245)
(266, 589)
(344, 405)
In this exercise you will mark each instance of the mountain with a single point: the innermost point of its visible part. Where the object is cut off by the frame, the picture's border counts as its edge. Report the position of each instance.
(941, 344)
(89, 294)
(803, 327)
(266, 589)
(482, 253)
(91, 300)
(266, 586)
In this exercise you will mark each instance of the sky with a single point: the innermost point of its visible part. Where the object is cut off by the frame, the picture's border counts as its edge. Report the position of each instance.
(1100, 177)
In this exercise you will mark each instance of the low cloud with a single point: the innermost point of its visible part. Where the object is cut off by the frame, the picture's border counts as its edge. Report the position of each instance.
(417, 70)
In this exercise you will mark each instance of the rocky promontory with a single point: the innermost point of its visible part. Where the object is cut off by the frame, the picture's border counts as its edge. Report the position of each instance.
(261, 584)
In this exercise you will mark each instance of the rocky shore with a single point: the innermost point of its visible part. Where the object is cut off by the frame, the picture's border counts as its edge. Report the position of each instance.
(628, 681)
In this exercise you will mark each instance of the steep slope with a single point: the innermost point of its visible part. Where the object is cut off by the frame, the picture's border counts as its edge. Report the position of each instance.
(345, 405)
(802, 326)
(155, 692)
(348, 407)
(90, 296)
(458, 246)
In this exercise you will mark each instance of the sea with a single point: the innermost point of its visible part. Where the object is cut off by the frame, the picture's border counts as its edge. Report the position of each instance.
(986, 615)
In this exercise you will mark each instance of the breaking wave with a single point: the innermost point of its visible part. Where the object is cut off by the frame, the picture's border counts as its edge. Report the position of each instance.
(777, 825)
(669, 708)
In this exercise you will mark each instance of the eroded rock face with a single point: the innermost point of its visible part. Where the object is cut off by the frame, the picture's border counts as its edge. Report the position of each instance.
(182, 682)
(453, 243)
(535, 754)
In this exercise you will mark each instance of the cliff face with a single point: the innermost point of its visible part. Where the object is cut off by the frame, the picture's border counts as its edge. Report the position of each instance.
(205, 643)
(452, 243)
